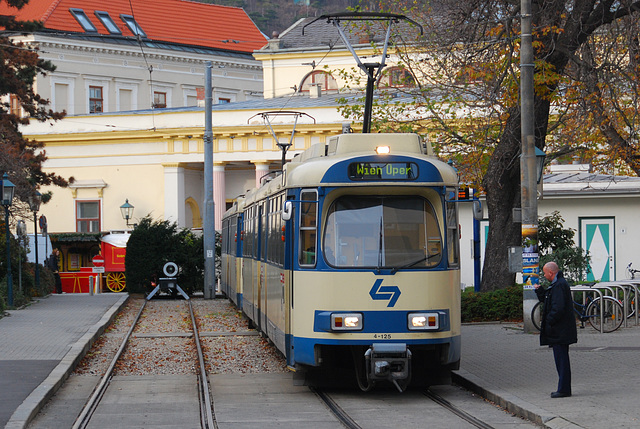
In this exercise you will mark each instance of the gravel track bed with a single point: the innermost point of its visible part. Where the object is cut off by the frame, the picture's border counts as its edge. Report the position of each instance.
(176, 355)
(98, 358)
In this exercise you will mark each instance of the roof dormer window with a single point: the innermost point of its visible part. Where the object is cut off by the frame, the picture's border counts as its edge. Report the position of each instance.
(107, 21)
(133, 25)
(83, 20)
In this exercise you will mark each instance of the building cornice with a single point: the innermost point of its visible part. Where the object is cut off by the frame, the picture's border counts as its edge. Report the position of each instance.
(149, 54)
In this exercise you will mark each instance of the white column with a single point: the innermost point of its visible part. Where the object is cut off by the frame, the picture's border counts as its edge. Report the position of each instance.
(174, 201)
(262, 168)
(219, 194)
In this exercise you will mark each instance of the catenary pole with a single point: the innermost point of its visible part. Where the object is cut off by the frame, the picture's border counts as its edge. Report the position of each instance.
(528, 176)
(209, 215)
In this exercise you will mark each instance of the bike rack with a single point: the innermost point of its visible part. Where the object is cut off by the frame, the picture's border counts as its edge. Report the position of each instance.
(626, 284)
(580, 288)
(625, 295)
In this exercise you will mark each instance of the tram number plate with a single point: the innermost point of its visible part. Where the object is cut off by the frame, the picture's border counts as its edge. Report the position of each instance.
(382, 336)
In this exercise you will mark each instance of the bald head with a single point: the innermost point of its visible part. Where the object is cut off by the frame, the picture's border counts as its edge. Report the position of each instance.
(552, 267)
(550, 270)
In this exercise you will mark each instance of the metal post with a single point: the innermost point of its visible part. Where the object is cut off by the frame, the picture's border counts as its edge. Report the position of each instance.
(209, 214)
(476, 249)
(528, 176)
(35, 236)
(368, 101)
(9, 275)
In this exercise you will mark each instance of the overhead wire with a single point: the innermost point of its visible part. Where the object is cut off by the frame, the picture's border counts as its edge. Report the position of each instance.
(149, 67)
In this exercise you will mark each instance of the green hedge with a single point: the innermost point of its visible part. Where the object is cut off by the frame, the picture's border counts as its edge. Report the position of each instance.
(498, 305)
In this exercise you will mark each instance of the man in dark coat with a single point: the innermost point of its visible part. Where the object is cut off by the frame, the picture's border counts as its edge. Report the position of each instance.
(558, 326)
(53, 263)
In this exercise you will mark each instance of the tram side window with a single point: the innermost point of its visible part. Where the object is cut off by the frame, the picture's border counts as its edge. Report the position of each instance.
(225, 237)
(232, 225)
(453, 245)
(263, 231)
(308, 225)
(275, 245)
(247, 248)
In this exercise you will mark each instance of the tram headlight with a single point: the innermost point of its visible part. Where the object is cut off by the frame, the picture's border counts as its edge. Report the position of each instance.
(346, 322)
(383, 150)
(424, 321)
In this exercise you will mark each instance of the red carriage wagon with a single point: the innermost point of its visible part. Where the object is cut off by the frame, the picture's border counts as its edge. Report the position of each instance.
(114, 249)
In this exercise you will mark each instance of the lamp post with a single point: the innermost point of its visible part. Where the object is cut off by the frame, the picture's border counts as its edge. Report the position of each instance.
(127, 211)
(34, 205)
(7, 196)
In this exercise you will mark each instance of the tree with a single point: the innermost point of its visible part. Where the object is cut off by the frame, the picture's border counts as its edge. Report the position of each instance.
(20, 158)
(466, 97)
(557, 244)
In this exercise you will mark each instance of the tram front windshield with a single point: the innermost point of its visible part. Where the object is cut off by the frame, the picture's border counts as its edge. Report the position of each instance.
(382, 232)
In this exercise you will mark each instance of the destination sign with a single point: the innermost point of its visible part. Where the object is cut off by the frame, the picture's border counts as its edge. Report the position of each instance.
(383, 171)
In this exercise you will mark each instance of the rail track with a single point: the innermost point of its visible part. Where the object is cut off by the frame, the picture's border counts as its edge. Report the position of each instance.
(350, 422)
(207, 420)
(156, 360)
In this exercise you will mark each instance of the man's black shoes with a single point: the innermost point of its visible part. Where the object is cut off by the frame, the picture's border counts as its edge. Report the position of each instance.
(560, 395)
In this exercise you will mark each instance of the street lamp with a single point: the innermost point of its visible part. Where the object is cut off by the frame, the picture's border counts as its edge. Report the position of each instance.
(7, 197)
(34, 205)
(127, 211)
(540, 157)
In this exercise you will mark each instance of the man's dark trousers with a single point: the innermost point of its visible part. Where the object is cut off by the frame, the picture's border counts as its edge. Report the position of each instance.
(561, 356)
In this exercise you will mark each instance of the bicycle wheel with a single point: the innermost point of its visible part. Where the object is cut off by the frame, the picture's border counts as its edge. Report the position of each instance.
(536, 315)
(612, 315)
(631, 303)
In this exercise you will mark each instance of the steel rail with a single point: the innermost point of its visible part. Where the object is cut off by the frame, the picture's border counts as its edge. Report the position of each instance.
(85, 415)
(206, 408)
(335, 409)
(457, 411)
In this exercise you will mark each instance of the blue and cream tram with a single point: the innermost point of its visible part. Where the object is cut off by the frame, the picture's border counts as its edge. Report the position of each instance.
(351, 254)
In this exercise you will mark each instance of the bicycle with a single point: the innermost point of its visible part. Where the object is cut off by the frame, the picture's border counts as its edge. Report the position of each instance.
(590, 311)
(632, 273)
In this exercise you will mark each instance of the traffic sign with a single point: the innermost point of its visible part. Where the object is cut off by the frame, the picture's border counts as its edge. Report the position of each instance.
(98, 270)
(98, 261)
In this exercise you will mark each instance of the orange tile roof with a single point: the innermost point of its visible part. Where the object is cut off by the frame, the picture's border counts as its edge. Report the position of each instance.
(177, 21)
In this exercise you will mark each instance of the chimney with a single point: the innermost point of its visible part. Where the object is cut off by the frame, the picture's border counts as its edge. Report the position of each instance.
(315, 90)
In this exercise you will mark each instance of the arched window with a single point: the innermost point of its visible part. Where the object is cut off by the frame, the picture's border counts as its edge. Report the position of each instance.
(320, 78)
(397, 77)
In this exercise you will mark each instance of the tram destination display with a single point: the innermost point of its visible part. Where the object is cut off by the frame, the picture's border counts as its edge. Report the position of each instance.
(383, 171)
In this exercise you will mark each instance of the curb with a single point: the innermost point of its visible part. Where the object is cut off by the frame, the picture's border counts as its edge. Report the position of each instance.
(510, 402)
(30, 407)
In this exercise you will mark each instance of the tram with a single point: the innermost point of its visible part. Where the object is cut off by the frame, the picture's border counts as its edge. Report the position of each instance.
(348, 260)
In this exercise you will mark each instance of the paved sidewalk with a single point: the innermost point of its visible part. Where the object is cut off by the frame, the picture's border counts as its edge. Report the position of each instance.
(41, 344)
(510, 368)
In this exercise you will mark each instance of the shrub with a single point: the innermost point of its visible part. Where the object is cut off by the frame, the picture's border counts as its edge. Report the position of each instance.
(501, 304)
(154, 243)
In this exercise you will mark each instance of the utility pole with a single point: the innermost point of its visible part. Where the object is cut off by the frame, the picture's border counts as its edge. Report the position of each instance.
(209, 228)
(528, 176)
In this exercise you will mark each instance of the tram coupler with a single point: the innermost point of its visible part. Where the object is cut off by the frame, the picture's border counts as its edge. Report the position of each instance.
(391, 362)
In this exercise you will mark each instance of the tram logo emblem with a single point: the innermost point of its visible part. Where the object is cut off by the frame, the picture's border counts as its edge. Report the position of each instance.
(379, 292)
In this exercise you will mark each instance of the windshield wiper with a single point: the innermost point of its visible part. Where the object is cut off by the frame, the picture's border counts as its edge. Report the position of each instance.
(411, 264)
